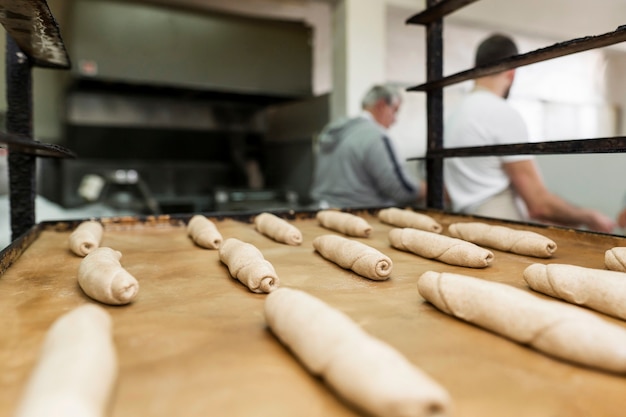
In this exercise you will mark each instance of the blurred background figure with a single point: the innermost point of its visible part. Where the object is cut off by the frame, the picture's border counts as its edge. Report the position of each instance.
(509, 187)
(356, 163)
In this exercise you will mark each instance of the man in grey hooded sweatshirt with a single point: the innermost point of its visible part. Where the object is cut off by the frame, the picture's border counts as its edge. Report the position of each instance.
(356, 164)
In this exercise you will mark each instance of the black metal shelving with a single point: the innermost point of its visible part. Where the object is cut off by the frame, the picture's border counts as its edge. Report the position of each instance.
(33, 39)
(432, 19)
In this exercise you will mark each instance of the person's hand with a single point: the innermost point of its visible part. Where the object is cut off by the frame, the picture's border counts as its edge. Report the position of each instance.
(621, 219)
(421, 197)
(598, 222)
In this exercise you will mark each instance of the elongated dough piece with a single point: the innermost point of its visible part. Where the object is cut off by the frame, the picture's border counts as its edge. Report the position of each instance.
(364, 370)
(203, 232)
(76, 370)
(102, 277)
(599, 289)
(86, 237)
(615, 259)
(553, 327)
(408, 218)
(522, 242)
(356, 256)
(346, 223)
(278, 229)
(246, 263)
(441, 248)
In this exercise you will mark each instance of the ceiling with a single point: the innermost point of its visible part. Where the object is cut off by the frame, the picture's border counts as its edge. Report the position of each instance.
(552, 19)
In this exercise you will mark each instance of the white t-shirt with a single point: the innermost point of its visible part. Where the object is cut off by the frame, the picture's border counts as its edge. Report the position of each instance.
(481, 119)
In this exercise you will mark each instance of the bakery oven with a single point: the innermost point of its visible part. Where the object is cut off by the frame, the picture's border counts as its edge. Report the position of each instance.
(192, 119)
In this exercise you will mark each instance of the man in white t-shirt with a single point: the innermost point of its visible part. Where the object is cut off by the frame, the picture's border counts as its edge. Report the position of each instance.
(508, 187)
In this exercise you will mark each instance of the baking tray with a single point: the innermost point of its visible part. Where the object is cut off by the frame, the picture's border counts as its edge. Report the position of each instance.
(195, 343)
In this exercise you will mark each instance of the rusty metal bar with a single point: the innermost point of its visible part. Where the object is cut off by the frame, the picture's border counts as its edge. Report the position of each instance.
(575, 146)
(539, 55)
(438, 11)
(434, 108)
(22, 167)
(33, 39)
(25, 145)
(34, 29)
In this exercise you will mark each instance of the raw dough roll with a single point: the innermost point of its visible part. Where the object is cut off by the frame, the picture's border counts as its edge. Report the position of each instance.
(102, 277)
(522, 242)
(362, 369)
(278, 229)
(246, 263)
(203, 232)
(441, 248)
(598, 289)
(615, 259)
(558, 329)
(76, 370)
(86, 237)
(408, 218)
(346, 223)
(350, 254)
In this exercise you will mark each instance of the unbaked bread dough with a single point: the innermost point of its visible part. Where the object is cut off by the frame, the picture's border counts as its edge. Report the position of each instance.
(356, 256)
(347, 223)
(522, 242)
(440, 247)
(599, 289)
(409, 218)
(86, 237)
(246, 263)
(553, 327)
(615, 259)
(76, 370)
(278, 229)
(102, 277)
(203, 232)
(365, 371)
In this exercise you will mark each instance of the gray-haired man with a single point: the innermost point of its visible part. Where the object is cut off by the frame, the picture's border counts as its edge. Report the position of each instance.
(356, 163)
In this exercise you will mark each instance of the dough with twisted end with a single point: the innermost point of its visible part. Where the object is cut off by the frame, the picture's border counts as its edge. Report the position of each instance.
(599, 289)
(76, 370)
(86, 237)
(203, 232)
(615, 259)
(522, 242)
(441, 248)
(246, 263)
(356, 256)
(102, 277)
(558, 329)
(365, 371)
(346, 223)
(278, 229)
(408, 218)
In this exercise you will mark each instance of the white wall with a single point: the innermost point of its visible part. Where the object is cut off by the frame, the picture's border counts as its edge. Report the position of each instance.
(358, 52)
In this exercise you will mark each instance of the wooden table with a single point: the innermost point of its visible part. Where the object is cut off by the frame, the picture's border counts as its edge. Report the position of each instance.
(195, 343)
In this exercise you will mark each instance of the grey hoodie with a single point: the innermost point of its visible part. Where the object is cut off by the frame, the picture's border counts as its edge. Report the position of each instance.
(357, 166)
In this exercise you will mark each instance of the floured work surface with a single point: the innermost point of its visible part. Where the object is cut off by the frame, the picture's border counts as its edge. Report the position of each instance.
(194, 342)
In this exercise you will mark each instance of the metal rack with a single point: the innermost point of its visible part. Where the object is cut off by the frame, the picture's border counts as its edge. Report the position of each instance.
(432, 18)
(33, 39)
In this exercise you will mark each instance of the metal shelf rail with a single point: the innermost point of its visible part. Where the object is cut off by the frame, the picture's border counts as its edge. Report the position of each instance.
(33, 39)
(432, 18)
